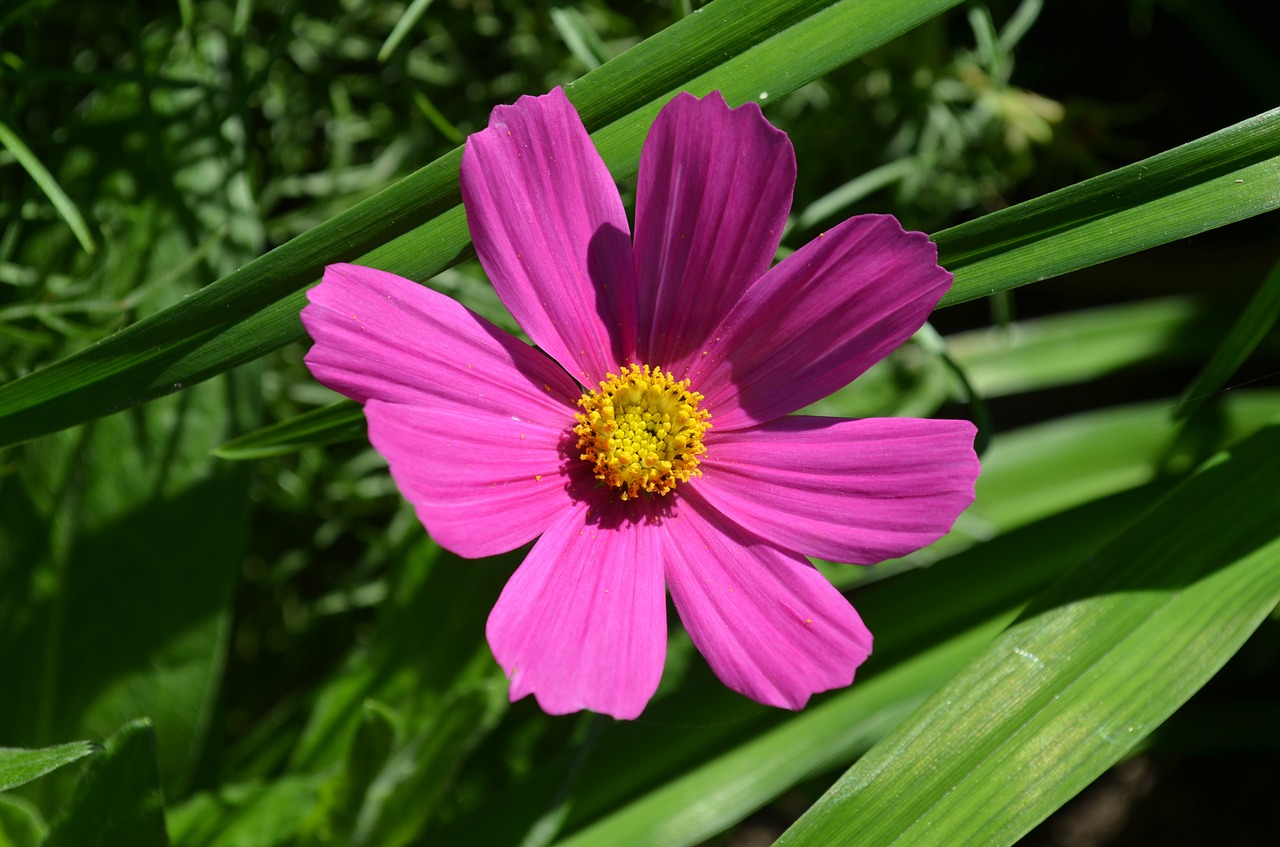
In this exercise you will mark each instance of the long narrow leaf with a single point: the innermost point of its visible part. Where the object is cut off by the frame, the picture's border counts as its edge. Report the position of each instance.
(1250, 329)
(1219, 179)
(718, 47)
(1131, 209)
(117, 800)
(1089, 670)
(334, 422)
(38, 172)
(20, 766)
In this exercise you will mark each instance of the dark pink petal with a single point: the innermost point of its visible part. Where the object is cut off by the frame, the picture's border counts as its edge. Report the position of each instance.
(714, 191)
(849, 491)
(768, 623)
(582, 623)
(481, 483)
(551, 232)
(378, 335)
(468, 417)
(818, 319)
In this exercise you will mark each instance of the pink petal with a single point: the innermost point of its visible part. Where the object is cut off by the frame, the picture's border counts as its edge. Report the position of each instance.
(378, 335)
(768, 623)
(819, 319)
(551, 232)
(582, 623)
(467, 416)
(482, 483)
(850, 491)
(714, 191)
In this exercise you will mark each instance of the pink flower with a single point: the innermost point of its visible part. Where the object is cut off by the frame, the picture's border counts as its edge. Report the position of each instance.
(649, 442)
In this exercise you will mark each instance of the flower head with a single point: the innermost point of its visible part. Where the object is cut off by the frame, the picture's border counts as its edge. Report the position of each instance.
(648, 440)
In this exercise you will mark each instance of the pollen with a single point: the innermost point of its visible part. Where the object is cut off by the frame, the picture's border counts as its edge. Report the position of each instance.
(642, 431)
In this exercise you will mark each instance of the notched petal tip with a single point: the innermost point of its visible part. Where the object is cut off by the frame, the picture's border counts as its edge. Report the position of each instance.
(714, 105)
(712, 200)
(550, 231)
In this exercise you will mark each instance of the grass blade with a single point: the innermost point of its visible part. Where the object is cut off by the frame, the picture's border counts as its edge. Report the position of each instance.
(208, 332)
(407, 21)
(61, 202)
(338, 421)
(1215, 180)
(1089, 670)
(21, 766)
(117, 800)
(1249, 331)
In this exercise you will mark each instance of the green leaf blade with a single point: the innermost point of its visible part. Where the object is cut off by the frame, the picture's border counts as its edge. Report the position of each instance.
(1243, 338)
(1215, 180)
(416, 228)
(118, 800)
(335, 422)
(19, 766)
(1087, 672)
(40, 174)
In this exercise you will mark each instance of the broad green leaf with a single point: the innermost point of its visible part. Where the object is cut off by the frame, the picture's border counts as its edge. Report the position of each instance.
(117, 800)
(1249, 331)
(18, 766)
(254, 310)
(121, 542)
(704, 758)
(1075, 347)
(1095, 663)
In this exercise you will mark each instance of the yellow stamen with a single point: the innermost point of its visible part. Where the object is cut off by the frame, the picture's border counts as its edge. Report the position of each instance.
(642, 430)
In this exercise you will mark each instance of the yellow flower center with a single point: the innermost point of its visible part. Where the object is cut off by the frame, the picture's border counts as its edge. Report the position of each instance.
(642, 430)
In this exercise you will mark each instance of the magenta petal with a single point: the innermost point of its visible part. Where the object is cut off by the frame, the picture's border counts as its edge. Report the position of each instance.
(582, 622)
(714, 191)
(378, 335)
(768, 623)
(819, 319)
(850, 491)
(551, 232)
(472, 422)
(481, 483)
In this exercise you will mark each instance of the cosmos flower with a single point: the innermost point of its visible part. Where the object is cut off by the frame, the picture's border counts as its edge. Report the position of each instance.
(647, 441)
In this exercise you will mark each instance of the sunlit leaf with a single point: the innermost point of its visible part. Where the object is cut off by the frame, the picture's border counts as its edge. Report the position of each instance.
(18, 766)
(770, 49)
(1244, 337)
(1087, 671)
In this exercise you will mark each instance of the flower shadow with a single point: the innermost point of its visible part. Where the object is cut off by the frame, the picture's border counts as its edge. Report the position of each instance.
(609, 248)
